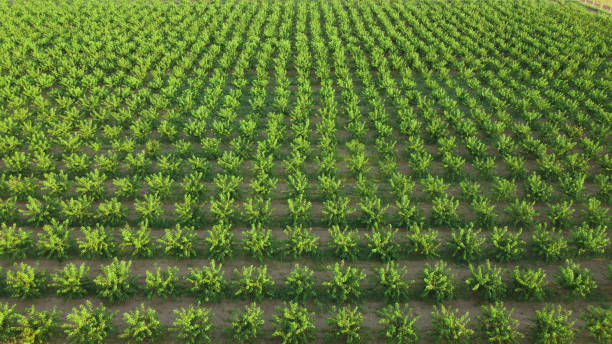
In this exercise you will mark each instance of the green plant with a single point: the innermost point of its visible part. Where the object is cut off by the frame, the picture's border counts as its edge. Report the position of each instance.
(588, 240)
(115, 283)
(257, 242)
(55, 241)
(444, 211)
(466, 243)
(252, 282)
(89, 325)
(448, 327)
(344, 242)
(10, 327)
(392, 282)
(142, 325)
(300, 284)
(207, 283)
(489, 279)
(423, 243)
(598, 321)
(180, 242)
(96, 243)
(345, 283)
(193, 325)
(71, 282)
(382, 243)
(38, 327)
(246, 325)
(294, 324)
(345, 324)
(549, 244)
(137, 243)
(579, 282)
(14, 243)
(496, 325)
(439, 281)
(162, 283)
(507, 246)
(529, 284)
(220, 240)
(25, 281)
(521, 212)
(300, 240)
(552, 326)
(398, 324)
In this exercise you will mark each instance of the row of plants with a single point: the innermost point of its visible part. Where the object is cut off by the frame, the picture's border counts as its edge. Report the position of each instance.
(116, 283)
(295, 324)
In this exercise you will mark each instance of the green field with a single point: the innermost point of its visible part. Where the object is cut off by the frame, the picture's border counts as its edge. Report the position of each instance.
(301, 171)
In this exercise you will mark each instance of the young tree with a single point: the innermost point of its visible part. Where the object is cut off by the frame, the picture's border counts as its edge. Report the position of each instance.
(448, 327)
(294, 324)
(89, 325)
(193, 325)
(398, 324)
(552, 326)
(496, 325)
(346, 324)
(143, 325)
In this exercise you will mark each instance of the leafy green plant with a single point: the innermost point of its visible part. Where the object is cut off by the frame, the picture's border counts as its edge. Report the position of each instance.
(344, 242)
(207, 283)
(588, 240)
(180, 241)
(89, 325)
(15, 243)
(257, 242)
(293, 324)
(423, 243)
(382, 243)
(345, 283)
(496, 325)
(549, 243)
(552, 326)
(137, 243)
(466, 243)
(25, 281)
(489, 279)
(507, 246)
(38, 327)
(398, 324)
(71, 282)
(115, 283)
(246, 325)
(448, 327)
(252, 282)
(598, 322)
(392, 282)
(300, 284)
(10, 327)
(577, 281)
(439, 281)
(162, 283)
(96, 242)
(193, 325)
(142, 325)
(220, 240)
(345, 324)
(300, 241)
(529, 284)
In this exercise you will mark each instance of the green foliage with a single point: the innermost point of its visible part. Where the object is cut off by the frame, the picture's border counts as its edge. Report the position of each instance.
(345, 283)
(345, 324)
(71, 282)
(300, 284)
(549, 243)
(38, 327)
(9, 322)
(25, 281)
(439, 282)
(162, 283)
(207, 283)
(137, 243)
(257, 242)
(444, 211)
(252, 282)
(294, 324)
(142, 325)
(529, 284)
(96, 243)
(521, 213)
(220, 240)
(179, 242)
(246, 325)
(14, 243)
(577, 281)
(193, 325)
(552, 326)
(489, 279)
(337, 210)
(588, 240)
(115, 283)
(398, 324)
(598, 322)
(448, 327)
(89, 325)
(507, 246)
(496, 325)
(300, 241)
(466, 243)
(393, 283)
(423, 243)
(382, 243)
(55, 241)
(344, 242)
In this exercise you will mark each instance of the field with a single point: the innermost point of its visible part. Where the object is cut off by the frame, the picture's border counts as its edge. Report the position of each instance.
(305, 171)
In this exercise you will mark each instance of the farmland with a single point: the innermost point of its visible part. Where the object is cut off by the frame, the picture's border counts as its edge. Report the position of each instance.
(305, 171)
